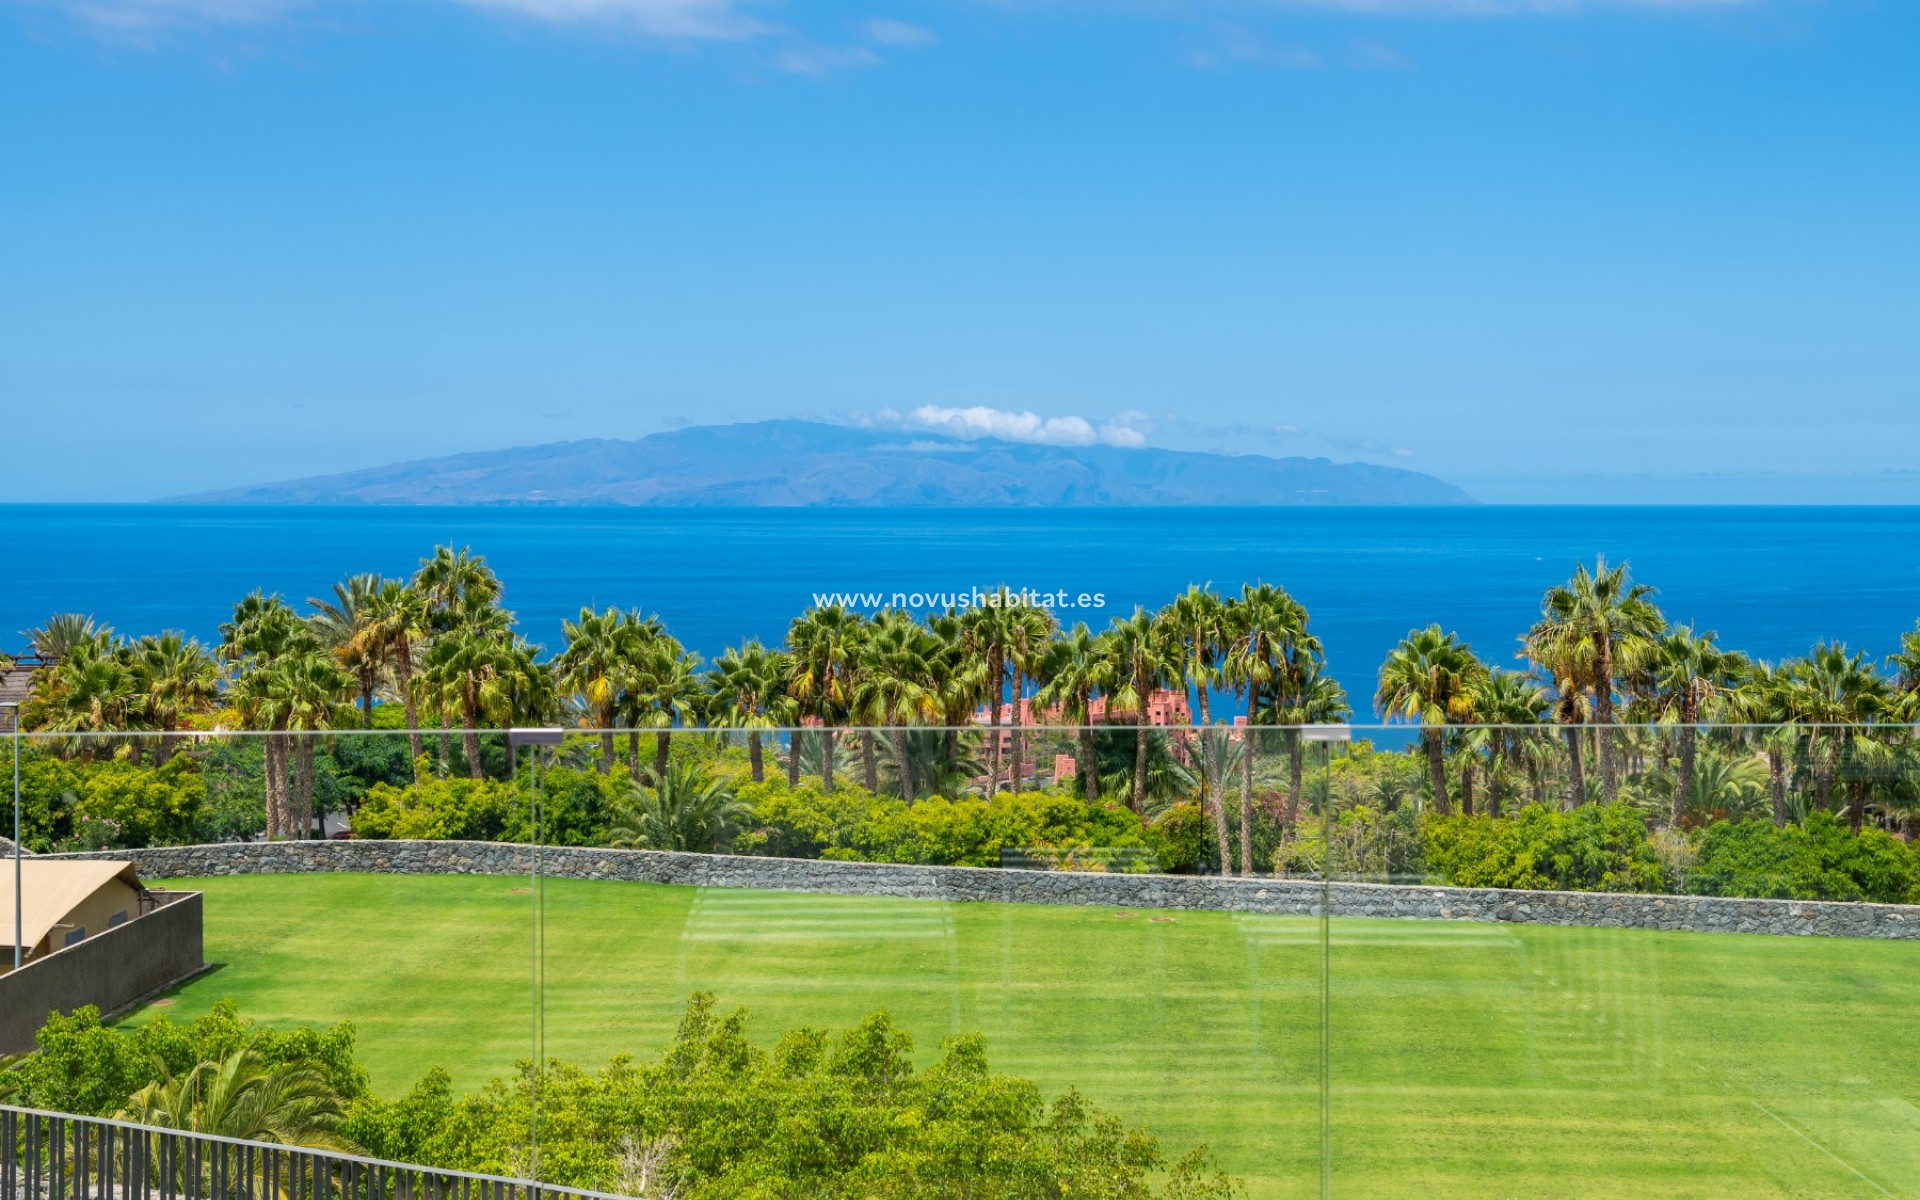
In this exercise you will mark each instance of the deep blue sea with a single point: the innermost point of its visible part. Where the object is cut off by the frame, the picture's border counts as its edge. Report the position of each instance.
(1771, 581)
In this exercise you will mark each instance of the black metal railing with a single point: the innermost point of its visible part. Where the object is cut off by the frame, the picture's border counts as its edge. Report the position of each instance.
(59, 1156)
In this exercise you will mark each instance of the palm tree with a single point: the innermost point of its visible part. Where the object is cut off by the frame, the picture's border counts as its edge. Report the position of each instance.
(1613, 617)
(595, 664)
(1429, 678)
(938, 766)
(63, 633)
(986, 635)
(1141, 658)
(455, 584)
(1835, 695)
(748, 691)
(242, 1096)
(342, 625)
(664, 689)
(1202, 623)
(462, 667)
(396, 617)
(1760, 700)
(1688, 672)
(894, 685)
(1075, 667)
(93, 689)
(822, 643)
(681, 808)
(1315, 699)
(1029, 629)
(312, 688)
(1508, 704)
(1267, 657)
(177, 675)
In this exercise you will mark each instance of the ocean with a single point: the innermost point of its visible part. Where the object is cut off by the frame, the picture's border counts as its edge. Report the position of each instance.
(1771, 581)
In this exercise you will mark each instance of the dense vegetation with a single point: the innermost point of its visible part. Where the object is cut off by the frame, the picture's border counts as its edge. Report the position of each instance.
(819, 1113)
(937, 741)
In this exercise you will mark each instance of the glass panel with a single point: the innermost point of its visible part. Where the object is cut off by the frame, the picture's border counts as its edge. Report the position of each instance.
(1544, 1053)
(1193, 1023)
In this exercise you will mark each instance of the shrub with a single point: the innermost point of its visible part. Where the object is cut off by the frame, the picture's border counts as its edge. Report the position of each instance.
(818, 1115)
(1593, 848)
(1819, 860)
(442, 809)
(854, 824)
(84, 1067)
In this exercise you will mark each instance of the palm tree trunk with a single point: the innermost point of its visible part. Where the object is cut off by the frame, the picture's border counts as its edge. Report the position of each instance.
(1576, 768)
(403, 666)
(470, 732)
(995, 680)
(1218, 802)
(1777, 783)
(793, 758)
(1437, 770)
(662, 746)
(1088, 765)
(270, 771)
(1683, 776)
(1295, 773)
(1013, 718)
(366, 700)
(304, 798)
(1249, 748)
(1139, 794)
(869, 761)
(1857, 805)
(754, 757)
(606, 749)
(1467, 764)
(909, 785)
(826, 759)
(1603, 717)
(1246, 818)
(633, 752)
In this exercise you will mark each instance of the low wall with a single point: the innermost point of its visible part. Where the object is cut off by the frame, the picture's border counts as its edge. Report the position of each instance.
(1298, 897)
(109, 970)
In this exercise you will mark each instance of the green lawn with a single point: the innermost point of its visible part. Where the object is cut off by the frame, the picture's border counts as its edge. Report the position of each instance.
(1467, 1060)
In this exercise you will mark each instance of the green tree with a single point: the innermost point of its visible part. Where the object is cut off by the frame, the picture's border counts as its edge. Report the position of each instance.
(1429, 678)
(243, 1096)
(1834, 696)
(396, 619)
(682, 808)
(1141, 658)
(1613, 618)
(1075, 667)
(1689, 672)
(822, 645)
(747, 690)
(342, 623)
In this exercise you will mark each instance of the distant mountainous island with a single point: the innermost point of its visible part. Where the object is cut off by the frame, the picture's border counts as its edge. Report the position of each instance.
(812, 464)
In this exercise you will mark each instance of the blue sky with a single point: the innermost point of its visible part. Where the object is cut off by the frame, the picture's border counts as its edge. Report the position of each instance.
(1626, 250)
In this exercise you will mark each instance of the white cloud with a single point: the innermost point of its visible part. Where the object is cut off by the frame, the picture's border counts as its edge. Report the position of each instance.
(823, 60)
(685, 19)
(885, 31)
(673, 19)
(1126, 430)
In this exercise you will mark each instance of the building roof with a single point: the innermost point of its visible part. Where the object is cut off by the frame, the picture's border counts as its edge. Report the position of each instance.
(51, 890)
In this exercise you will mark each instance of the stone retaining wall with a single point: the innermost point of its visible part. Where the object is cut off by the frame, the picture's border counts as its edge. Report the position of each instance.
(1297, 897)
